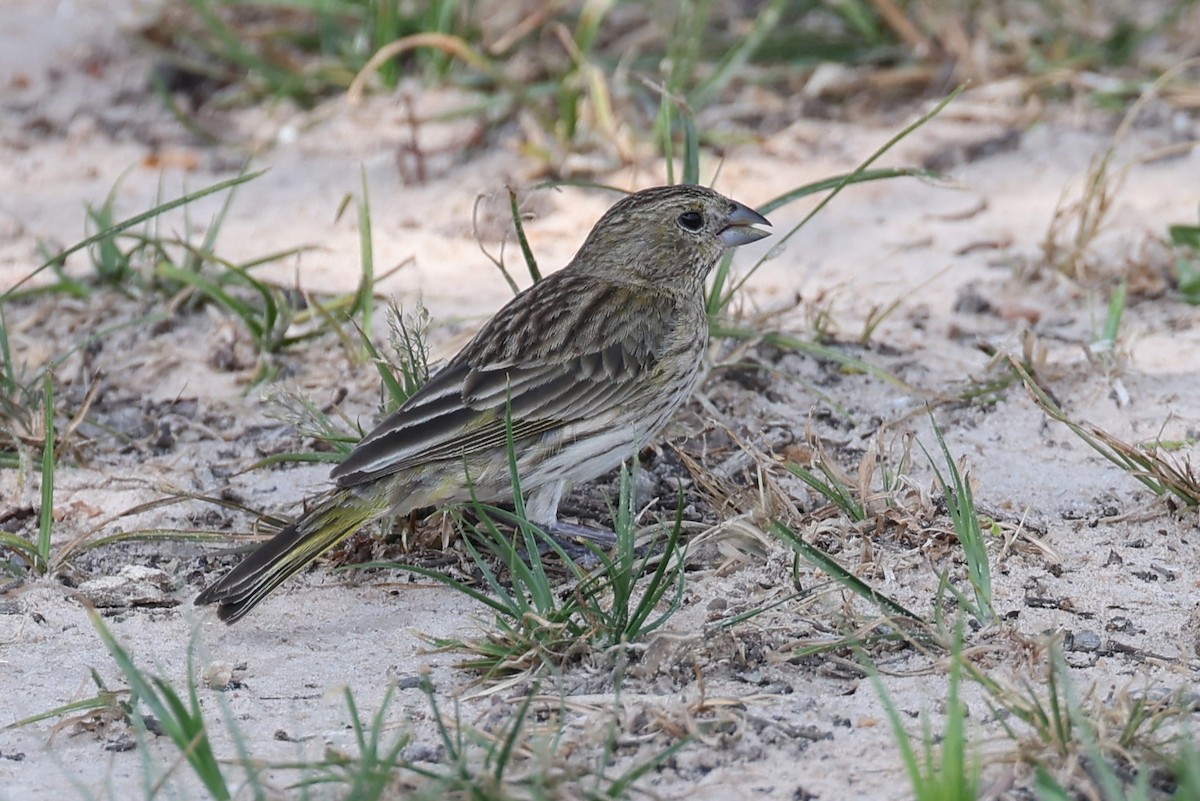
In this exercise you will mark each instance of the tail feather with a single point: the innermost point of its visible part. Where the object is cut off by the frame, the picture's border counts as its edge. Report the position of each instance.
(285, 554)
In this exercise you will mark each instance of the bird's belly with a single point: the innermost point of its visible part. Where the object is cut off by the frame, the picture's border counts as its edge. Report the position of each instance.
(579, 453)
(585, 450)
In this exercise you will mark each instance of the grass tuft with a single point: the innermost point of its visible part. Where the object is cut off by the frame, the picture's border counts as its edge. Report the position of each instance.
(57, 260)
(527, 756)
(1124, 746)
(1151, 464)
(960, 503)
(945, 769)
(182, 720)
(537, 624)
(35, 557)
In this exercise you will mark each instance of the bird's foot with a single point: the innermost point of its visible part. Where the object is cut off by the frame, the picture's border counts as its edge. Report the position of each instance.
(580, 542)
(563, 532)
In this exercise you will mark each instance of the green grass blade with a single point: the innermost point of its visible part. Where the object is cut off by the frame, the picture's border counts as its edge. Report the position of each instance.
(23, 548)
(252, 318)
(1131, 460)
(534, 577)
(522, 240)
(845, 179)
(622, 787)
(691, 147)
(504, 755)
(364, 300)
(734, 60)
(209, 243)
(639, 621)
(836, 492)
(392, 386)
(102, 700)
(1116, 310)
(960, 503)
(46, 513)
(829, 566)
(663, 124)
(184, 726)
(10, 370)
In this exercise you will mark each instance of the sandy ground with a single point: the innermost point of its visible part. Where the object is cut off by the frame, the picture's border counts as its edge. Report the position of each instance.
(1116, 572)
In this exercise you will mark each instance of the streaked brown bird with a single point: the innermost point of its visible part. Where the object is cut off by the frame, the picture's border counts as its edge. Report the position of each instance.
(590, 363)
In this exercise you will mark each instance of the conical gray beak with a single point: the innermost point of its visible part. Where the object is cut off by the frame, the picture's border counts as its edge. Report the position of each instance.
(738, 228)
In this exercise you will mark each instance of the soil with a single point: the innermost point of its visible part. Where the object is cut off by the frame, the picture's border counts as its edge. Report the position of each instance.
(934, 282)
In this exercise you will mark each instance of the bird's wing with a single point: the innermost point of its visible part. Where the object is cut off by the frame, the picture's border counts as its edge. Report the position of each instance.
(546, 360)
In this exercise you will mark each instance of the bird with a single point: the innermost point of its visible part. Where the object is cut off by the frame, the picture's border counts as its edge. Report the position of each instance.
(577, 372)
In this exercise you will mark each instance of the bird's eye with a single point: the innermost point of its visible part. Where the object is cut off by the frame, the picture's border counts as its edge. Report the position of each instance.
(691, 220)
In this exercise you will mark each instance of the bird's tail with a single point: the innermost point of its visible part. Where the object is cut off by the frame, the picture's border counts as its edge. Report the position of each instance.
(335, 518)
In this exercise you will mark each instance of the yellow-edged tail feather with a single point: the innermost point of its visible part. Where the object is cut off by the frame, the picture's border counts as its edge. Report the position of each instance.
(334, 519)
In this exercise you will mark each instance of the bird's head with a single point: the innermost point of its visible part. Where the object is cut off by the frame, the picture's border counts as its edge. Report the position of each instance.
(668, 233)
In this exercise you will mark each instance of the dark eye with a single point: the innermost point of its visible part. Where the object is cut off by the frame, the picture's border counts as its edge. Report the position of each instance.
(691, 220)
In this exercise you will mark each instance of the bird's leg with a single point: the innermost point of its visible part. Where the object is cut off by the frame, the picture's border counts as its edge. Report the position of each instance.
(542, 509)
(563, 532)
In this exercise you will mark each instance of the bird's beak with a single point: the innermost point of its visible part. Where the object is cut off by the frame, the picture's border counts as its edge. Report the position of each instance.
(738, 230)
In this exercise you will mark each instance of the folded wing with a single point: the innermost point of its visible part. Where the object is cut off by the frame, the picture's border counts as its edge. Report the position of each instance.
(581, 359)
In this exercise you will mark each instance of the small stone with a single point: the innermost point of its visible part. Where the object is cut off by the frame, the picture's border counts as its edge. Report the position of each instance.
(134, 585)
(1080, 661)
(218, 675)
(422, 752)
(752, 677)
(165, 440)
(409, 682)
